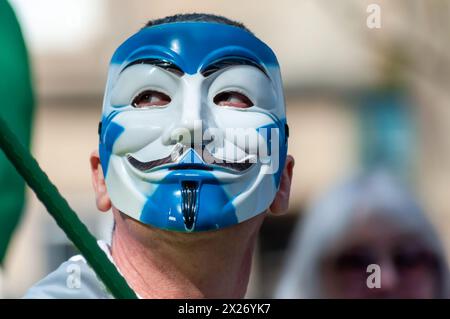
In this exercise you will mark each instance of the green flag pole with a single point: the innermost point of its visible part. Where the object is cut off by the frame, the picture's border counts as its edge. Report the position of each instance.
(64, 216)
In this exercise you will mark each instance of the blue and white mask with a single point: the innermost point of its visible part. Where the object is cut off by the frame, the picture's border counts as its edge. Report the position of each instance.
(193, 134)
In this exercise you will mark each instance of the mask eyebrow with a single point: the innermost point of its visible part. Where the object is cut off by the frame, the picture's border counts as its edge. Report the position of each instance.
(163, 64)
(230, 61)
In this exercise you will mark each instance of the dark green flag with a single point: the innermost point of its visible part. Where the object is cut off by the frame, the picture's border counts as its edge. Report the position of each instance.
(16, 107)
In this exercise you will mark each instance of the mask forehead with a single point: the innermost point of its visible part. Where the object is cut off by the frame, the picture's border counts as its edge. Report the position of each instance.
(193, 45)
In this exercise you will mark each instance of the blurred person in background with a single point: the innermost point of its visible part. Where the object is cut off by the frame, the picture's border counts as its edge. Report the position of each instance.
(370, 220)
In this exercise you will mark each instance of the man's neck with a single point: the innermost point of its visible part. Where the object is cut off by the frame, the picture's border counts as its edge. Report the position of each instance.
(165, 264)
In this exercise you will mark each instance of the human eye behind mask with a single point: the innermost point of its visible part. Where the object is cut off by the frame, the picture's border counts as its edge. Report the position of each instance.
(142, 86)
(243, 87)
(150, 98)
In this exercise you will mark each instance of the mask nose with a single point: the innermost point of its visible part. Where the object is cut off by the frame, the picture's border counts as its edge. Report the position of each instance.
(189, 128)
(189, 132)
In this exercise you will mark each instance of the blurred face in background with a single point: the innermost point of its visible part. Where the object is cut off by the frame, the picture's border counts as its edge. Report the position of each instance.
(408, 268)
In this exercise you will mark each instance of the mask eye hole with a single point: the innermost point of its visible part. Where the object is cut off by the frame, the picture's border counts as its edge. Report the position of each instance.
(150, 98)
(233, 99)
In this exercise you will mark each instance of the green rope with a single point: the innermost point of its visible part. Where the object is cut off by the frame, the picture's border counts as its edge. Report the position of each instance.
(64, 216)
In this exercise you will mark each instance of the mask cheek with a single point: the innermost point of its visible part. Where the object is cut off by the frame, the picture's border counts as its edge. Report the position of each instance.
(246, 130)
(269, 148)
(135, 138)
(228, 151)
(241, 142)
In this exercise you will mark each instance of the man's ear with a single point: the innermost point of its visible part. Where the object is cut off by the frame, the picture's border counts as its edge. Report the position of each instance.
(98, 182)
(281, 202)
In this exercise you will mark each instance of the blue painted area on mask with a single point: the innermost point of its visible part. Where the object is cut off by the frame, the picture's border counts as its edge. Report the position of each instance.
(163, 207)
(281, 126)
(192, 45)
(191, 157)
(108, 136)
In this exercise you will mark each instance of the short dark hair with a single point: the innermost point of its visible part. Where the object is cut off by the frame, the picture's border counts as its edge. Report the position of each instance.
(193, 17)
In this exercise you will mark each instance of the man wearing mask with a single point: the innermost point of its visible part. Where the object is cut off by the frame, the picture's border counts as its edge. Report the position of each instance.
(192, 157)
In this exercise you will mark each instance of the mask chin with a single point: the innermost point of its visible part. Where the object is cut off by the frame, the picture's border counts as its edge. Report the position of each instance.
(189, 203)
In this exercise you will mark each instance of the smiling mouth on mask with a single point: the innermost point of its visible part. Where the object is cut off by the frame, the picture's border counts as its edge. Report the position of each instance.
(172, 162)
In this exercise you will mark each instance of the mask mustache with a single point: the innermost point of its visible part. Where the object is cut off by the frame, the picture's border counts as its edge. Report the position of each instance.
(209, 161)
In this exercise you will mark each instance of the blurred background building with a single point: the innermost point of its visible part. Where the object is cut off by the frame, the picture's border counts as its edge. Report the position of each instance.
(355, 95)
